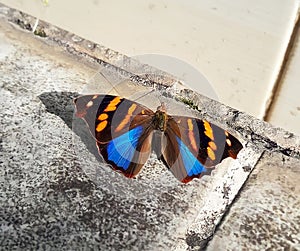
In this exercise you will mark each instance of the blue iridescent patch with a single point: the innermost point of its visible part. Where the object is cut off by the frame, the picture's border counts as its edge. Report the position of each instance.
(121, 149)
(191, 163)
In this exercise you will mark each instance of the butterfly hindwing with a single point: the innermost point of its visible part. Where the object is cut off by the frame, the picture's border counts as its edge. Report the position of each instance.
(199, 146)
(179, 159)
(122, 129)
(128, 152)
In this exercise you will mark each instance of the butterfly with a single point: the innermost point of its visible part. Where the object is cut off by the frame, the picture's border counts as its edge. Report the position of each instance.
(126, 132)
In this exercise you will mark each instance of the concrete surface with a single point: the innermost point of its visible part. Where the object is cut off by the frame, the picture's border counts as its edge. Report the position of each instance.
(266, 214)
(56, 194)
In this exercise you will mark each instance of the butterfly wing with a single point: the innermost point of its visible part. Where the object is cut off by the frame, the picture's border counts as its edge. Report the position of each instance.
(122, 129)
(128, 152)
(193, 146)
(109, 116)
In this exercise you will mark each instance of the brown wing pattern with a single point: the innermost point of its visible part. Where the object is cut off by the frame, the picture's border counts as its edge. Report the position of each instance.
(110, 116)
(191, 146)
(122, 129)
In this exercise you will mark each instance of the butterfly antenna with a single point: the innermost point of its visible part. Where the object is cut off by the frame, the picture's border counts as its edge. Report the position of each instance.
(113, 87)
(143, 95)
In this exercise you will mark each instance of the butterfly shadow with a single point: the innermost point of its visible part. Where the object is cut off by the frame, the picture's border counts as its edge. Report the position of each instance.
(61, 104)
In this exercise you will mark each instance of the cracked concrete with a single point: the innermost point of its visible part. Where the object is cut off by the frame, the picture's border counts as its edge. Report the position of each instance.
(56, 193)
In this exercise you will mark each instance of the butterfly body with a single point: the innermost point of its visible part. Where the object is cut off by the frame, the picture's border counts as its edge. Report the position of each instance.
(124, 134)
(160, 120)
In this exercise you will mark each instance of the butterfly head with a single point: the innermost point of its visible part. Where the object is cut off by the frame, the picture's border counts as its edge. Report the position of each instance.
(162, 107)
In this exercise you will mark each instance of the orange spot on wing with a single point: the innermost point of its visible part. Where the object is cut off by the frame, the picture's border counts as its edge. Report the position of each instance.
(102, 116)
(212, 145)
(228, 141)
(211, 153)
(125, 121)
(89, 104)
(100, 127)
(116, 101)
(191, 135)
(208, 130)
(190, 124)
(112, 106)
(131, 109)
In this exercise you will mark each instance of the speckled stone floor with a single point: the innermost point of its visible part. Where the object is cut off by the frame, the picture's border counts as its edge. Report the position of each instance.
(266, 214)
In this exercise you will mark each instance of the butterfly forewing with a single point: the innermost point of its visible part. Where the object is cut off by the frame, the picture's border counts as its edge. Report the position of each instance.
(110, 116)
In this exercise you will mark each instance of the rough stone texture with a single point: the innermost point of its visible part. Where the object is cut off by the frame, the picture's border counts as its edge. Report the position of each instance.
(266, 214)
(56, 193)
